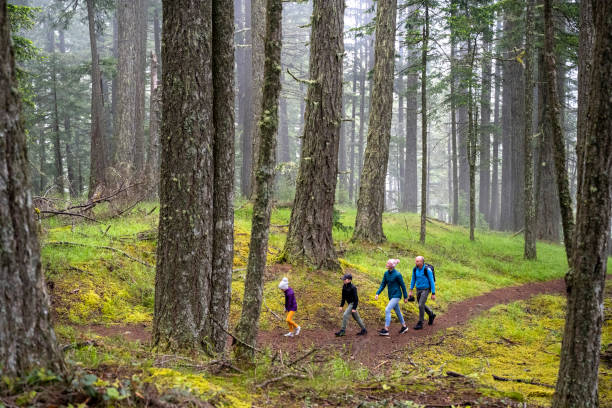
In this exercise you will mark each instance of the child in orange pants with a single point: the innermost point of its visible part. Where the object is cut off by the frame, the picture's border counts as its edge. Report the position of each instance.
(290, 307)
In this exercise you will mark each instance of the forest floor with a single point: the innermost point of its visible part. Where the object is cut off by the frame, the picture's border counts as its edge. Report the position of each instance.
(498, 315)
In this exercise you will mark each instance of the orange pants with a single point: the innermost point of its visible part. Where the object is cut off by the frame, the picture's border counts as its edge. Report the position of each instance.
(292, 325)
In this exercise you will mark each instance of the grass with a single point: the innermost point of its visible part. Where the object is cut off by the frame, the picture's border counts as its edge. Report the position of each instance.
(91, 285)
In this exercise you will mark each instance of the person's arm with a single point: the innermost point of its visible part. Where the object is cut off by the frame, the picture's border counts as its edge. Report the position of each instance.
(413, 279)
(403, 285)
(356, 302)
(342, 302)
(382, 284)
(432, 283)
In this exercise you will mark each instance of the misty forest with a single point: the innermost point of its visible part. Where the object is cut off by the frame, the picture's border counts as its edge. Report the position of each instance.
(305, 203)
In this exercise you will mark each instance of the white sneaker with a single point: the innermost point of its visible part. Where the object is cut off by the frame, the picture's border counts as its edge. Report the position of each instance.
(290, 334)
(297, 331)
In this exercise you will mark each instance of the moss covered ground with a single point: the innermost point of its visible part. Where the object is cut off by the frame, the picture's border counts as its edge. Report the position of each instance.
(93, 285)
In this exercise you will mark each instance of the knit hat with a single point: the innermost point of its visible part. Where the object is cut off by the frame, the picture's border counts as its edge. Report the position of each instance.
(392, 262)
(284, 284)
(347, 276)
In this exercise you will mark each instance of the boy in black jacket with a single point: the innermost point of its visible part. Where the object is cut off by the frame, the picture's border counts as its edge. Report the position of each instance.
(349, 295)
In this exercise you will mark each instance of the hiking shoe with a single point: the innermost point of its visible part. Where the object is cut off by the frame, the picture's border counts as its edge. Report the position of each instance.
(403, 330)
(419, 326)
(290, 334)
(383, 332)
(431, 319)
(363, 332)
(297, 331)
(340, 333)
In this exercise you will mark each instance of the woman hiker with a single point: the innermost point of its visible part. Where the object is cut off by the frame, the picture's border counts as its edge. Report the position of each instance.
(394, 282)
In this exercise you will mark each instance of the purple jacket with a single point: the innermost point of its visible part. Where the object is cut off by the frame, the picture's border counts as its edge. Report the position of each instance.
(290, 302)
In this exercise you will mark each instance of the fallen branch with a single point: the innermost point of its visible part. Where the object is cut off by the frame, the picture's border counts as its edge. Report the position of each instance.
(101, 247)
(282, 377)
(70, 214)
(518, 232)
(271, 311)
(236, 338)
(454, 374)
(520, 380)
(303, 81)
(302, 358)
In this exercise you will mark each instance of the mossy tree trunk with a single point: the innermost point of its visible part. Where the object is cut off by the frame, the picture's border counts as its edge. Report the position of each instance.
(485, 127)
(565, 200)
(424, 157)
(371, 201)
(152, 165)
(309, 239)
(248, 325)
(453, 110)
(27, 340)
(580, 351)
(471, 139)
(98, 153)
(195, 246)
(530, 210)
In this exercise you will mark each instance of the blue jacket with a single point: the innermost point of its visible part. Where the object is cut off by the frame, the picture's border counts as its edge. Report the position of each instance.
(395, 284)
(423, 280)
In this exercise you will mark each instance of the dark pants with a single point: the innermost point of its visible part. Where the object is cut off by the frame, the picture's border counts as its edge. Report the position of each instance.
(422, 295)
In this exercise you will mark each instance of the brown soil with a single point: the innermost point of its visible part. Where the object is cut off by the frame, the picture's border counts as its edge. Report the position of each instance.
(373, 349)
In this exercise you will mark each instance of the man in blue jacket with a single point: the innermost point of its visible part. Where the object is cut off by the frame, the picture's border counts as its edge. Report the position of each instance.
(422, 278)
(394, 282)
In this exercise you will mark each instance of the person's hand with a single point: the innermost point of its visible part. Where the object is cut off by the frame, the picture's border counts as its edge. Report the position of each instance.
(405, 300)
(354, 310)
(410, 293)
(376, 297)
(433, 297)
(340, 309)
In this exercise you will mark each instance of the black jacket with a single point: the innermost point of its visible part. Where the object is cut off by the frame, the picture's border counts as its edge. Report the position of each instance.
(349, 294)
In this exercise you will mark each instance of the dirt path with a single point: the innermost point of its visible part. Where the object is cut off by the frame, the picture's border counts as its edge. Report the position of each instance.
(372, 348)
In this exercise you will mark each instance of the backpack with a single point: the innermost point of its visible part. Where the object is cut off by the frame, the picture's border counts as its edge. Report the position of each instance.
(426, 265)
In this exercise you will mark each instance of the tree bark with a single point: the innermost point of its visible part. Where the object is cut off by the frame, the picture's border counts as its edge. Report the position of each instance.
(196, 205)
(58, 180)
(98, 154)
(223, 203)
(471, 141)
(530, 210)
(245, 102)
(141, 62)
(128, 120)
(248, 325)
(424, 158)
(494, 211)
(410, 168)
(485, 128)
(453, 103)
(258, 33)
(580, 352)
(351, 182)
(370, 205)
(309, 239)
(565, 201)
(283, 132)
(152, 166)
(27, 340)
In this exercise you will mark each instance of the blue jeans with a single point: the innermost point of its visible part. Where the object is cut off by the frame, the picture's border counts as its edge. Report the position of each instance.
(393, 305)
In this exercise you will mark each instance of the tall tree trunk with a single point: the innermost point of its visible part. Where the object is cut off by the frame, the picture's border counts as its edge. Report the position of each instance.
(283, 132)
(410, 168)
(42, 157)
(70, 165)
(453, 107)
(224, 150)
(128, 92)
(401, 141)
(309, 239)
(152, 165)
(494, 211)
(110, 144)
(471, 140)
(370, 205)
(157, 40)
(424, 158)
(565, 201)
(27, 340)
(351, 182)
(548, 216)
(98, 156)
(485, 128)
(258, 33)
(141, 62)
(196, 184)
(363, 65)
(57, 146)
(248, 325)
(580, 352)
(530, 210)
(245, 103)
